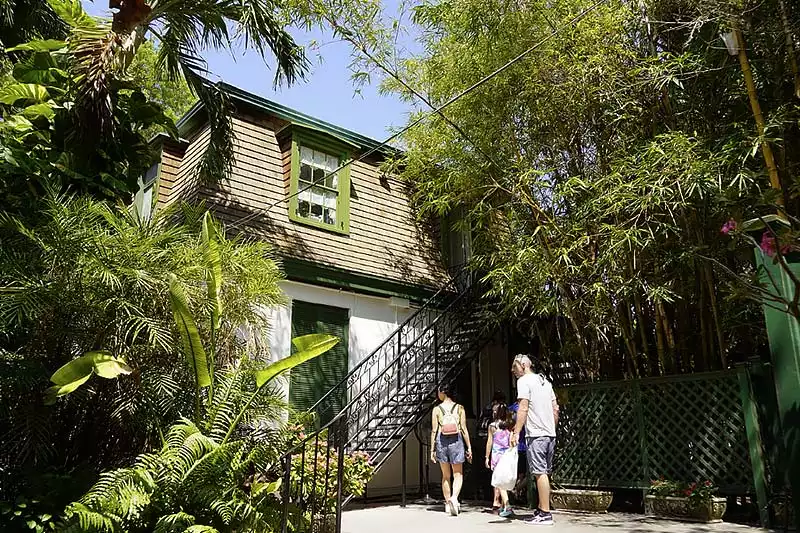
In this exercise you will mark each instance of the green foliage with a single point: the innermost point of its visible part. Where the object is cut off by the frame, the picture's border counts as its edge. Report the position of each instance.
(698, 493)
(202, 478)
(595, 174)
(174, 97)
(78, 371)
(315, 471)
(26, 515)
(40, 136)
(82, 277)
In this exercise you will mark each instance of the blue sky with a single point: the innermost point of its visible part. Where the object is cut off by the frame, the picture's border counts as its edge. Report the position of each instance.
(327, 93)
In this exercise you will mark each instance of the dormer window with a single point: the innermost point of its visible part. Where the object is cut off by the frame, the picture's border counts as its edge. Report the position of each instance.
(320, 187)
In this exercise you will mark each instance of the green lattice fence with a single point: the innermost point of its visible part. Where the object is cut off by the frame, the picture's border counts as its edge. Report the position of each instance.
(623, 434)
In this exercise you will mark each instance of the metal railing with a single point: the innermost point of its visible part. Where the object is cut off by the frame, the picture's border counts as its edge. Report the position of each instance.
(387, 393)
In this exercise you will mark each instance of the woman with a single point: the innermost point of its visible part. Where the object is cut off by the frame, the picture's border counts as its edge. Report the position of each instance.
(449, 436)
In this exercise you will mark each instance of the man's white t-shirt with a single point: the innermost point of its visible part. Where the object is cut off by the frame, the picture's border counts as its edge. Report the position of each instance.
(540, 395)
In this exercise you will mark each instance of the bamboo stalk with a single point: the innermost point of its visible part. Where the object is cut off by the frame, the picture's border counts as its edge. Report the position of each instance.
(787, 31)
(640, 319)
(659, 342)
(766, 149)
(715, 314)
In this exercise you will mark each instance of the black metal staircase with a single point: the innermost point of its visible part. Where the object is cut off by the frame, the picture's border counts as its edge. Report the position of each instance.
(388, 394)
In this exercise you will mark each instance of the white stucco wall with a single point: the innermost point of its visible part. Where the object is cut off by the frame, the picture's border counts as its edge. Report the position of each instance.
(372, 319)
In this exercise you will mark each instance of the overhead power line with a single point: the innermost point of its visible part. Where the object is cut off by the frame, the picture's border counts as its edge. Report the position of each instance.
(435, 111)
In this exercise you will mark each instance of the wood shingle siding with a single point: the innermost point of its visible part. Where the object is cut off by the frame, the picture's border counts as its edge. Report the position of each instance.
(384, 241)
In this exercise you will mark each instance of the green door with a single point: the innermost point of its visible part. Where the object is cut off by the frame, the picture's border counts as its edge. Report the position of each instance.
(313, 379)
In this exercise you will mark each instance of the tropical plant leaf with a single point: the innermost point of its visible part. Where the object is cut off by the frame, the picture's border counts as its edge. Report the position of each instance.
(13, 93)
(40, 68)
(72, 12)
(75, 369)
(17, 123)
(258, 489)
(111, 368)
(308, 347)
(190, 335)
(56, 391)
(200, 529)
(75, 373)
(214, 266)
(38, 45)
(39, 110)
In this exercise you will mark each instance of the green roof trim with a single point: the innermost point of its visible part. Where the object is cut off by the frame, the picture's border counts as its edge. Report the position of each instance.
(194, 118)
(337, 278)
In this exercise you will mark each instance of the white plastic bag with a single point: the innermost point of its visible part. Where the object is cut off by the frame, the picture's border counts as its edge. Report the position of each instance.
(505, 473)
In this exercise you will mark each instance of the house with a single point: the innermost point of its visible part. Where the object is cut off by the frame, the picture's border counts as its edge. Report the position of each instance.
(357, 264)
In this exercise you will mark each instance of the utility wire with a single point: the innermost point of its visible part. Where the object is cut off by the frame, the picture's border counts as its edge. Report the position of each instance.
(436, 111)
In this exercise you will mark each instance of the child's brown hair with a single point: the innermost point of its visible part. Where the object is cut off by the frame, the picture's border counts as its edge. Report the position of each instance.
(502, 416)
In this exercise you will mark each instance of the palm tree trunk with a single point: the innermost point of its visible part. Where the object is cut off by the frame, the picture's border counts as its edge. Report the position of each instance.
(766, 149)
(787, 31)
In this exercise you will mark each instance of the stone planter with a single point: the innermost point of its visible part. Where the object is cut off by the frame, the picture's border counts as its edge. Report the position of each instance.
(677, 508)
(323, 523)
(584, 501)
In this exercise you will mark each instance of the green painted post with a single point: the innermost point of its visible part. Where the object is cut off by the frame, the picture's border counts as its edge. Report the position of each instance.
(754, 445)
(783, 331)
(638, 399)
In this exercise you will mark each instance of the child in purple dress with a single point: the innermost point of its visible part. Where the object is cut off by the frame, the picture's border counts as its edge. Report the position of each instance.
(498, 442)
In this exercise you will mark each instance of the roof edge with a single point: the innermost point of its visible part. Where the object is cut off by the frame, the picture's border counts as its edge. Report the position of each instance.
(194, 117)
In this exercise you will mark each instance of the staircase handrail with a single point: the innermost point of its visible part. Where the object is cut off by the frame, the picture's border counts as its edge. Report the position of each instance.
(363, 391)
(389, 338)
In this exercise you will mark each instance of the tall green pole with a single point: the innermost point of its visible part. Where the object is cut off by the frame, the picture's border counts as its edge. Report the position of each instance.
(783, 331)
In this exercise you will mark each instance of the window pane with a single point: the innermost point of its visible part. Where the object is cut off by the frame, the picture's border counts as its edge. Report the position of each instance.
(305, 173)
(330, 216)
(319, 159)
(302, 208)
(317, 195)
(318, 175)
(333, 162)
(316, 212)
(306, 155)
(147, 203)
(330, 199)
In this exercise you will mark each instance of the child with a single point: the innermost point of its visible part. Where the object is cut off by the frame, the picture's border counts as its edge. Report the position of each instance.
(496, 445)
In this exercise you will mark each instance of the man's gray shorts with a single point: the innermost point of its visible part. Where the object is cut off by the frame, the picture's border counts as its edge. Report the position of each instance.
(540, 454)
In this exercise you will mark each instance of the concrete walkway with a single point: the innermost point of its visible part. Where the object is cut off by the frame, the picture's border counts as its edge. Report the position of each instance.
(422, 519)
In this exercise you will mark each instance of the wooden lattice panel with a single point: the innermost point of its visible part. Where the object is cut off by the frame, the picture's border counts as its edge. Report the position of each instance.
(598, 440)
(695, 430)
(623, 434)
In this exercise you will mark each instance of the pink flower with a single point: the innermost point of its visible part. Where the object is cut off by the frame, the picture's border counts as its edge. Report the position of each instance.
(768, 244)
(728, 227)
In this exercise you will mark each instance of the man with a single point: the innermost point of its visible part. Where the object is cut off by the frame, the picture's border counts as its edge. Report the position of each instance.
(538, 415)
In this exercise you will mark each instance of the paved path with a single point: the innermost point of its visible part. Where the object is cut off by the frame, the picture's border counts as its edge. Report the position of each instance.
(422, 519)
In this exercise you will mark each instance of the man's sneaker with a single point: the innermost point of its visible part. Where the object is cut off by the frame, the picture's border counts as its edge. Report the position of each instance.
(506, 512)
(541, 519)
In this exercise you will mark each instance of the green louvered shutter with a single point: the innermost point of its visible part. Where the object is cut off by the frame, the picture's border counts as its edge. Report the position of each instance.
(311, 380)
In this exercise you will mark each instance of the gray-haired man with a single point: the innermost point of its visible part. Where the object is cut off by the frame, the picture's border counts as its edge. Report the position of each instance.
(538, 414)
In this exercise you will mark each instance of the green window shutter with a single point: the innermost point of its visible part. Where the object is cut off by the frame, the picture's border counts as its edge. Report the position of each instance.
(311, 380)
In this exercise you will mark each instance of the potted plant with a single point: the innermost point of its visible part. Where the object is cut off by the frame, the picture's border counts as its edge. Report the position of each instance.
(695, 502)
(580, 500)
